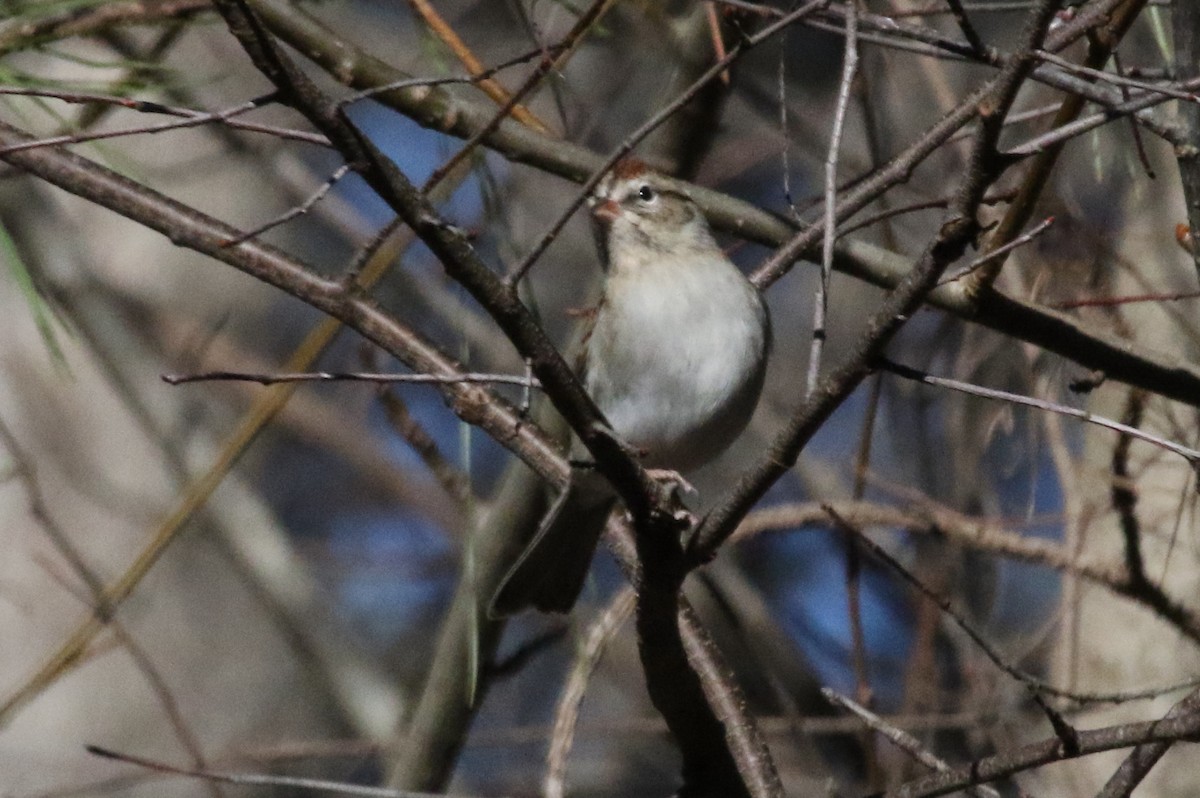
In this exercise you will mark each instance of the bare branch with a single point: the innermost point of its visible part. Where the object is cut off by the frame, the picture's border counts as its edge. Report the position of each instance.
(957, 232)
(1192, 456)
(821, 301)
(260, 780)
(566, 714)
(898, 737)
(1027, 757)
(352, 376)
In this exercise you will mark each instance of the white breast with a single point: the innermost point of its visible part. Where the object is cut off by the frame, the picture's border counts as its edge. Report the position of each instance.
(676, 359)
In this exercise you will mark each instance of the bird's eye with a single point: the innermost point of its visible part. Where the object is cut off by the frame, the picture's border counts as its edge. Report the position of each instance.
(646, 194)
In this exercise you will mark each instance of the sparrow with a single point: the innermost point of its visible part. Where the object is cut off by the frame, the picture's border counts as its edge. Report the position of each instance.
(674, 359)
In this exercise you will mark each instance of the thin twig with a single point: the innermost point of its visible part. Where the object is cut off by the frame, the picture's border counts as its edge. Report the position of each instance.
(898, 737)
(352, 376)
(1113, 301)
(452, 480)
(984, 260)
(490, 86)
(152, 107)
(299, 210)
(566, 713)
(261, 780)
(1192, 456)
(410, 82)
(821, 301)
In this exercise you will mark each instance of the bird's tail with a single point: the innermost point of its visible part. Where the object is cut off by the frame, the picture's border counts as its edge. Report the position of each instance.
(550, 572)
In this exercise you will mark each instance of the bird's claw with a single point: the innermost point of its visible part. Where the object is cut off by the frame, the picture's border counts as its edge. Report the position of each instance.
(673, 479)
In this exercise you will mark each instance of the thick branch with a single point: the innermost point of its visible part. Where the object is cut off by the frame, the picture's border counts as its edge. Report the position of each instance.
(453, 250)
(1142, 759)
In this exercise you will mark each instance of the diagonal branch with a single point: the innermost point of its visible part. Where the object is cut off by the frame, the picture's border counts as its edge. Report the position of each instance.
(957, 232)
(1142, 759)
(491, 87)
(1101, 46)
(991, 768)
(452, 249)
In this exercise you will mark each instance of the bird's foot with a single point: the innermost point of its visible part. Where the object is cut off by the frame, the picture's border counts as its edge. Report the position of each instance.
(673, 479)
(674, 484)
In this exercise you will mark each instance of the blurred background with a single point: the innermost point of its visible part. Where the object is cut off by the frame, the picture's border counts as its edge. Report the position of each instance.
(293, 620)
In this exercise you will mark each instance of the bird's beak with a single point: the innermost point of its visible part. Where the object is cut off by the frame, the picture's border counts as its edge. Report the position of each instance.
(606, 211)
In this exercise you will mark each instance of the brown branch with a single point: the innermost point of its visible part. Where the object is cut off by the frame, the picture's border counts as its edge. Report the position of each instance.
(256, 779)
(899, 738)
(1192, 456)
(957, 232)
(1142, 759)
(275, 378)
(566, 713)
(984, 536)
(490, 86)
(1027, 757)
(93, 19)
(1101, 45)
(709, 770)
(720, 689)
